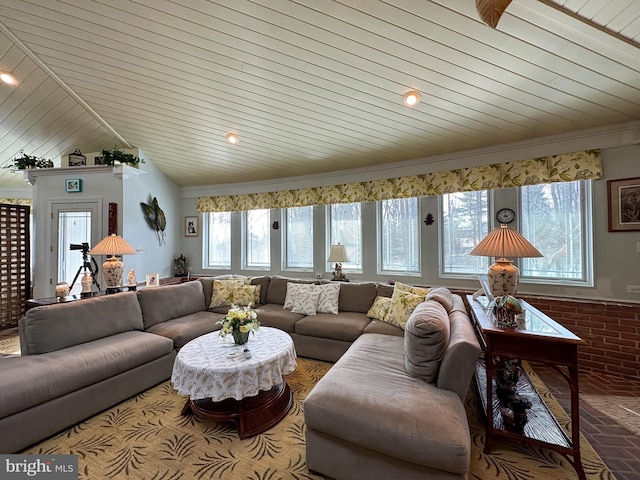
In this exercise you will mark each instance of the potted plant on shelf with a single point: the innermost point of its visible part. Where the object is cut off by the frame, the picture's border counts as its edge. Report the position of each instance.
(110, 157)
(25, 162)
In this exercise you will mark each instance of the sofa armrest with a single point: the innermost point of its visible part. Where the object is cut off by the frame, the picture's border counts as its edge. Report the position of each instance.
(459, 361)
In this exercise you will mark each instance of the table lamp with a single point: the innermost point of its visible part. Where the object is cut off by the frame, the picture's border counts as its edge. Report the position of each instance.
(112, 268)
(500, 243)
(338, 254)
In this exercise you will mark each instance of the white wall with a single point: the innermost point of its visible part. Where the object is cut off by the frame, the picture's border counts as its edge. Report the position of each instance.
(142, 186)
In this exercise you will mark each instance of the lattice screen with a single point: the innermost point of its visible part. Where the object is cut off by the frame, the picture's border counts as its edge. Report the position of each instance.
(14, 263)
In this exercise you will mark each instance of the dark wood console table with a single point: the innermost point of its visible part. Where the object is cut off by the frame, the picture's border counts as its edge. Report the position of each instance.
(537, 338)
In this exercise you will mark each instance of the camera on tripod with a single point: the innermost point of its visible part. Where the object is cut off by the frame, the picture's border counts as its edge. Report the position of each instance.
(84, 246)
(90, 268)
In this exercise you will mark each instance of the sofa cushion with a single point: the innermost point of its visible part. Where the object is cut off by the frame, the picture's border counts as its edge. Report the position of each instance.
(35, 379)
(184, 329)
(53, 327)
(384, 328)
(356, 297)
(368, 399)
(443, 296)
(346, 326)
(425, 340)
(263, 283)
(402, 305)
(273, 315)
(170, 301)
(384, 290)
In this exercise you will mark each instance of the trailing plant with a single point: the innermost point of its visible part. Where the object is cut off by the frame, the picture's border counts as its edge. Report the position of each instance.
(156, 219)
(110, 157)
(30, 161)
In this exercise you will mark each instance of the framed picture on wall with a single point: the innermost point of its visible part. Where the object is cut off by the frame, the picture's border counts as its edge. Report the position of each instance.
(73, 185)
(191, 226)
(624, 204)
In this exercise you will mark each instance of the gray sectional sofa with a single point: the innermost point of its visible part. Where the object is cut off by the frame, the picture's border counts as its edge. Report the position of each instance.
(82, 357)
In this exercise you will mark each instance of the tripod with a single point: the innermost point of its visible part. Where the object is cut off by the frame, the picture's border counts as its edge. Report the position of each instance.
(86, 265)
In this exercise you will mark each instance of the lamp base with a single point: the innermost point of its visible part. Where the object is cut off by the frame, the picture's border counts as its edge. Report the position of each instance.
(503, 278)
(112, 270)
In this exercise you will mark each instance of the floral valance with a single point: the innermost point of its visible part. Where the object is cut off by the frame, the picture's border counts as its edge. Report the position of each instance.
(556, 168)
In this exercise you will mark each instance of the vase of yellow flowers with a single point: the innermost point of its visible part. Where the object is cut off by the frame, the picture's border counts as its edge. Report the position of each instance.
(239, 322)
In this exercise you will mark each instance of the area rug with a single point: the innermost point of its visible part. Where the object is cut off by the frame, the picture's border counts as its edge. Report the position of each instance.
(624, 410)
(10, 345)
(146, 437)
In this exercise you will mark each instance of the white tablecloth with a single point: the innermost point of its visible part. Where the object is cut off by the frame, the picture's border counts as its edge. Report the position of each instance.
(210, 367)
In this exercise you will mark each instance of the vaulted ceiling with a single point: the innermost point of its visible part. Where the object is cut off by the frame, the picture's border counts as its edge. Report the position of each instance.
(309, 86)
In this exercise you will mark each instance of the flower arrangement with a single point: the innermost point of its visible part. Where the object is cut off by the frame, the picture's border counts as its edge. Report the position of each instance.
(30, 161)
(110, 157)
(239, 322)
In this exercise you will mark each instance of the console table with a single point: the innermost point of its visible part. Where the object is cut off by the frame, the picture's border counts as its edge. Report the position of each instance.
(537, 338)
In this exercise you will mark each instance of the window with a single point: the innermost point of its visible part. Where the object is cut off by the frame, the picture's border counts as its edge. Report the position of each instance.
(345, 227)
(257, 239)
(399, 244)
(556, 219)
(465, 222)
(219, 240)
(298, 238)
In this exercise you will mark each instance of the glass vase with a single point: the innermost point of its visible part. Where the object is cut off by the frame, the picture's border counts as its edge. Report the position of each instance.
(240, 338)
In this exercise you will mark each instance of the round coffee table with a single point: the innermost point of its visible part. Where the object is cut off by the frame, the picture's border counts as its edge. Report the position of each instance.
(224, 385)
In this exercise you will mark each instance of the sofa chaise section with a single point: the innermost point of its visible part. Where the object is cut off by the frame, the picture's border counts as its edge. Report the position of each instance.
(368, 418)
(77, 359)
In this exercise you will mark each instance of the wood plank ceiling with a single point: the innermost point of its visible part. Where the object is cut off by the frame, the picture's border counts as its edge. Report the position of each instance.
(309, 86)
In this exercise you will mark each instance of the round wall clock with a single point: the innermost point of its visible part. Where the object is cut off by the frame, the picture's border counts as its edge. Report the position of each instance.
(505, 215)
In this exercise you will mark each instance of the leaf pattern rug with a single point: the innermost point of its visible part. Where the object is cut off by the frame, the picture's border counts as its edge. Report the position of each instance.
(146, 437)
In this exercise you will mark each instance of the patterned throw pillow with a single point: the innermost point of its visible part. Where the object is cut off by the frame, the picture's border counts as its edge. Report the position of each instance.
(329, 295)
(411, 289)
(292, 292)
(306, 302)
(256, 298)
(380, 308)
(232, 292)
(402, 306)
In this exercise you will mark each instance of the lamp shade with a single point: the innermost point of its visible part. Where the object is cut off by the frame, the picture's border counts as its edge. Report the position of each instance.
(504, 242)
(112, 268)
(338, 254)
(112, 245)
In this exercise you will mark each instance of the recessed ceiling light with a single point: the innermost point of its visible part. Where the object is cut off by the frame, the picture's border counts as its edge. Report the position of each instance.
(232, 138)
(411, 98)
(8, 78)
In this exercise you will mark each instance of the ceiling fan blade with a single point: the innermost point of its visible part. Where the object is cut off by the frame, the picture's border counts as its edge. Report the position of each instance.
(490, 11)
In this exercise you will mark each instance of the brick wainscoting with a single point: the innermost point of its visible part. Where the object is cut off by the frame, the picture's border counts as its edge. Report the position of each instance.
(611, 330)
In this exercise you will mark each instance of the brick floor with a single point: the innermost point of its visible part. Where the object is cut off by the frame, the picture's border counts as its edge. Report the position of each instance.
(618, 446)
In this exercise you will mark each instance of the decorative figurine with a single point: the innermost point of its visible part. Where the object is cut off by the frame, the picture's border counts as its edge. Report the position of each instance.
(86, 284)
(62, 290)
(131, 278)
(180, 265)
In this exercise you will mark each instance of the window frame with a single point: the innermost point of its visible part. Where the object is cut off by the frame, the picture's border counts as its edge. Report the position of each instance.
(205, 247)
(284, 240)
(346, 267)
(380, 270)
(245, 239)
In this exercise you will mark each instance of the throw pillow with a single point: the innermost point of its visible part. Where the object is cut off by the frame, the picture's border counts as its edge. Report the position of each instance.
(380, 308)
(256, 298)
(292, 291)
(411, 289)
(426, 338)
(306, 302)
(329, 296)
(402, 305)
(443, 296)
(232, 292)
